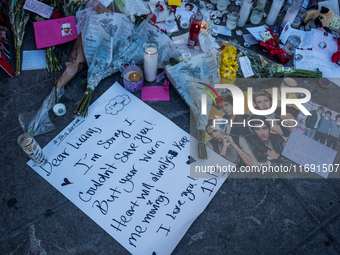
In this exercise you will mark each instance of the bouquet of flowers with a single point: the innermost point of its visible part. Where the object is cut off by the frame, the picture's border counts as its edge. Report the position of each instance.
(263, 67)
(18, 18)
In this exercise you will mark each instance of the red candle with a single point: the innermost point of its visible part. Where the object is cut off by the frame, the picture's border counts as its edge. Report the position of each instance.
(195, 27)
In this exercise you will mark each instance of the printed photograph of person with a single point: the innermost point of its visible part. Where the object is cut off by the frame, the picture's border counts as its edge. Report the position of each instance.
(291, 115)
(231, 147)
(323, 129)
(66, 29)
(313, 121)
(265, 146)
(334, 133)
(220, 144)
(238, 129)
(185, 11)
(323, 125)
(263, 101)
(189, 7)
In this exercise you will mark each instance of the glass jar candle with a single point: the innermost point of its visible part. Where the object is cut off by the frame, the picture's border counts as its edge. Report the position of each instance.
(256, 16)
(222, 5)
(261, 4)
(291, 12)
(195, 28)
(133, 78)
(232, 20)
(32, 149)
(150, 62)
(292, 43)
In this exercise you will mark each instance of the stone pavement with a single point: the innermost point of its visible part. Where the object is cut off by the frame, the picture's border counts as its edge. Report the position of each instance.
(247, 216)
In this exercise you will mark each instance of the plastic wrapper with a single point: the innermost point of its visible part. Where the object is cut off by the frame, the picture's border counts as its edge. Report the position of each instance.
(38, 122)
(175, 51)
(122, 43)
(35, 123)
(18, 18)
(265, 68)
(194, 70)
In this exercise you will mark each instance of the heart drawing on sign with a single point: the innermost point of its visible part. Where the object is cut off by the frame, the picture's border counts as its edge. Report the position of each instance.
(191, 160)
(66, 182)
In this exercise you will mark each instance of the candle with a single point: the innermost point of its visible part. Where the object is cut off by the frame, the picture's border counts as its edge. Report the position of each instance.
(274, 11)
(290, 80)
(292, 12)
(244, 12)
(195, 28)
(150, 62)
(132, 76)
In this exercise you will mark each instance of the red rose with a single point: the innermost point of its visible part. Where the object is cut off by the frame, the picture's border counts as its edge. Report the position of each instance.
(153, 18)
(57, 14)
(161, 8)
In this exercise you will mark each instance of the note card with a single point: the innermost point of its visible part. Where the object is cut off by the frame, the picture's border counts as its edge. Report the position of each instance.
(53, 32)
(155, 93)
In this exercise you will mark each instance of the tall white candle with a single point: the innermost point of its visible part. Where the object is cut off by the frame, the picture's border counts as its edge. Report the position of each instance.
(244, 12)
(274, 11)
(150, 62)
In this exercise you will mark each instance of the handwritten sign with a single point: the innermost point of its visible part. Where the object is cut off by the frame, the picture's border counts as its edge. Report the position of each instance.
(128, 168)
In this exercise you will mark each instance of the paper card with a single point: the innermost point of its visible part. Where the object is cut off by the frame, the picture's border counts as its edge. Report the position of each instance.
(135, 7)
(256, 32)
(250, 39)
(175, 2)
(320, 36)
(181, 39)
(40, 8)
(222, 30)
(309, 153)
(313, 60)
(130, 177)
(5, 57)
(305, 36)
(168, 28)
(186, 11)
(246, 67)
(33, 59)
(316, 138)
(155, 93)
(55, 31)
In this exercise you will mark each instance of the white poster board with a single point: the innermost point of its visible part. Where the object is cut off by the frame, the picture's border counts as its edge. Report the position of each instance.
(128, 168)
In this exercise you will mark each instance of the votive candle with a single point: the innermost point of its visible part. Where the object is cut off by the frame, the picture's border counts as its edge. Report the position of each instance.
(150, 62)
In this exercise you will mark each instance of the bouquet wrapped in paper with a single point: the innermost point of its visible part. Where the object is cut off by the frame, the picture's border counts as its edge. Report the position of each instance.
(110, 41)
(263, 67)
(185, 75)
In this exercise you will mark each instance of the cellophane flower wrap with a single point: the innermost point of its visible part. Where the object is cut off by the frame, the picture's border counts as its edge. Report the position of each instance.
(110, 41)
(191, 75)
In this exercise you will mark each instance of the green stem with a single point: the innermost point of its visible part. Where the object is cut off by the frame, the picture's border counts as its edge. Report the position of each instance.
(18, 60)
